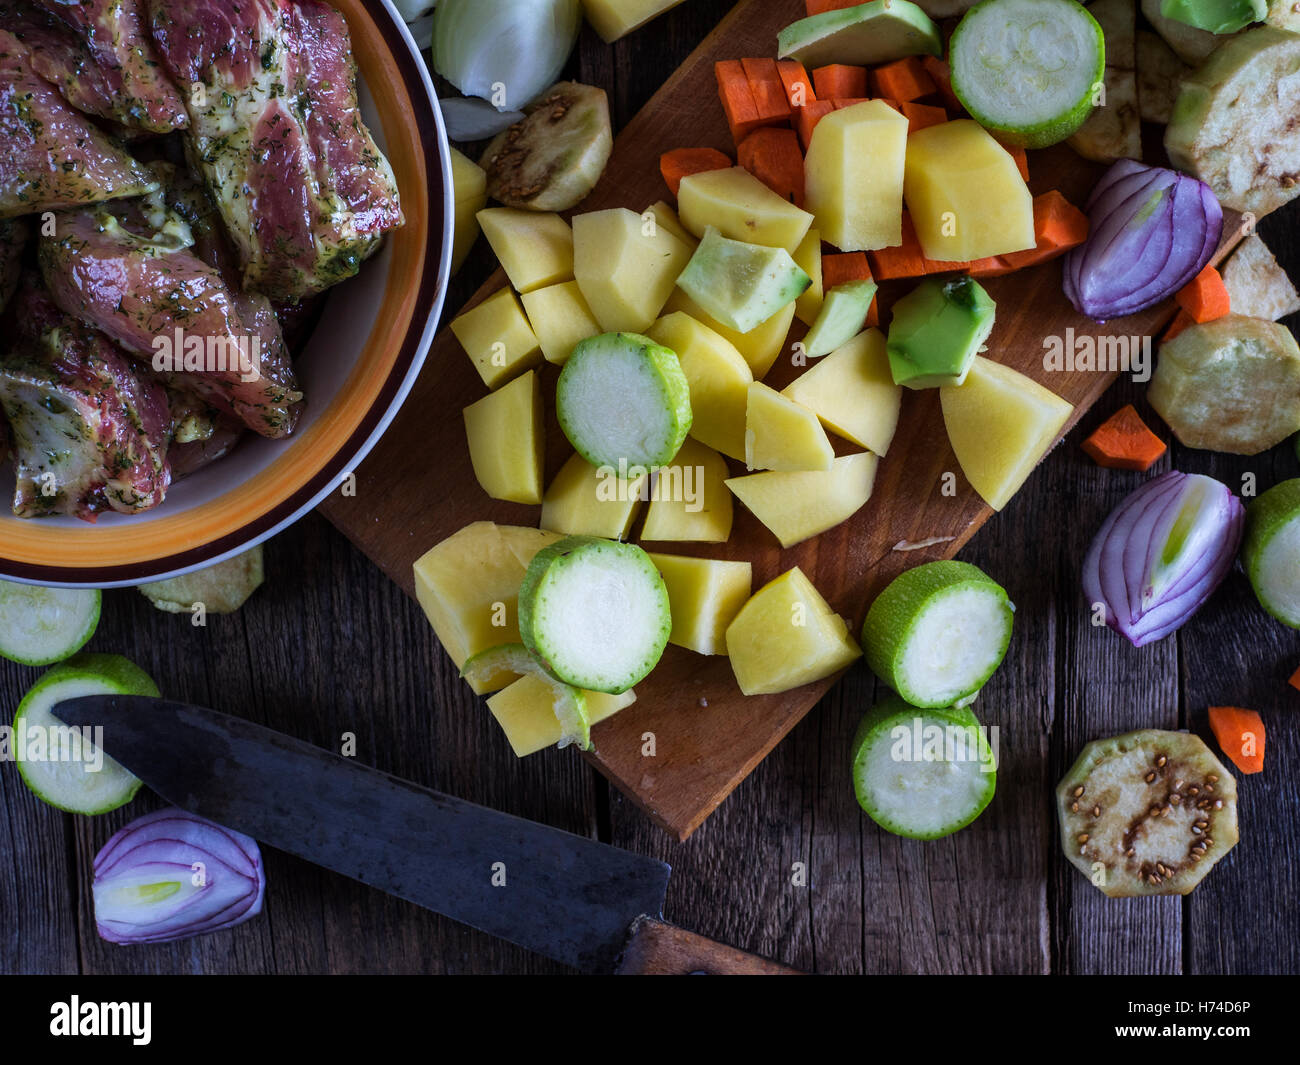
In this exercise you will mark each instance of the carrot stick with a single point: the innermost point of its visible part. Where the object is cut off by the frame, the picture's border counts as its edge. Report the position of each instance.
(768, 90)
(920, 116)
(1058, 227)
(848, 101)
(798, 86)
(843, 268)
(994, 266)
(683, 162)
(1295, 680)
(839, 80)
(904, 80)
(737, 99)
(1204, 297)
(807, 117)
(1181, 321)
(1241, 735)
(1123, 442)
(772, 155)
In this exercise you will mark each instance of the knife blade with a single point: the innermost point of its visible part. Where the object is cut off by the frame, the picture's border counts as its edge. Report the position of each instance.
(565, 896)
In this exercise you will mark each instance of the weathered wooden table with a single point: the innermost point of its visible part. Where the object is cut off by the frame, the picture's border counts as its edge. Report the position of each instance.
(788, 866)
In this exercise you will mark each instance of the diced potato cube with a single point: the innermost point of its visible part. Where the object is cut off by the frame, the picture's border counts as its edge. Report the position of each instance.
(853, 393)
(808, 257)
(469, 584)
(1000, 423)
(782, 435)
(689, 498)
(705, 595)
(498, 338)
(797, 506)
(741, 207)
(586, 501)
(787, 636)
(718, 377)
(561, 318)
(469, 189)
(855, 176)
(759, 347)
(965, 194)
(506, 435)
(625, 268)
(666, 217)
(526, 713)
(613, 19)
(535, 247)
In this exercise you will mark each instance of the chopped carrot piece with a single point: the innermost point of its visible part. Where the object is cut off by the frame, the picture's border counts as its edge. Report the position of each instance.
(1295, 680)
(807, 117)
(904, 80)
(905, 260)
(768, 90)
(848, 101)
(840, 80)
(844, 268)
(1241, 735)
(798, 86)
(683, 162)
(942, 78)
(1204, 297)
(1058, 227)
(1181, 321)
(994, 266)
(1021, 157)
(737, 99)
(1123, 442)
(818, 7)
(772, 155)
(873, 315)
(921, 116)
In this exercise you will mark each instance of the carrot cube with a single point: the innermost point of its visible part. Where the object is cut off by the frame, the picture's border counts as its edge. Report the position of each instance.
(904, 80)
(1181, 321)
(1205, 297)
(807, 117)
(1123, 442)
(921, 116)
(682, 162)
(1295, 680)
(768, 90)
(840, 80)
(737, 99)
(772, 155)
(942, 78)
(798, 86)
(1058, 227)
(905, 260)
(844, 268)
(1241, 736)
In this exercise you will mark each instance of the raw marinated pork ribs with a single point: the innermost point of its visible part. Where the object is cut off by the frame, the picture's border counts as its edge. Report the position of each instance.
(100, 55)
(270, 86)
(136, 283)
(89, 432)
(50, 154)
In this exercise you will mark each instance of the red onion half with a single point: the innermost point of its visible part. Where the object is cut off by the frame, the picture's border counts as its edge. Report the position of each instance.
(172, 875)
(1161, 552)
(1150, 231)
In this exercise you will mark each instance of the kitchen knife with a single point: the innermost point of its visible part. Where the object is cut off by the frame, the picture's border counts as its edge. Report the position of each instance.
(581, 902)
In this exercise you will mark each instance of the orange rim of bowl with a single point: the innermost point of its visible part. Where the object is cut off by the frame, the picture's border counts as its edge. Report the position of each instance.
(413, 294)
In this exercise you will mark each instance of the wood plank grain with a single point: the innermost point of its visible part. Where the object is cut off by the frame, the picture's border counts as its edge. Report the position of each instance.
(403, 506)
(1105, 687)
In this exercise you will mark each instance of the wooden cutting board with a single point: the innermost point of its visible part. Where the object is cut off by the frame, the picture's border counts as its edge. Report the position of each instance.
(417, 486)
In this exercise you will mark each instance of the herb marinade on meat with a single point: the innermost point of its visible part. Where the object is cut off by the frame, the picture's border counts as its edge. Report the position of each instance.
(193, 165)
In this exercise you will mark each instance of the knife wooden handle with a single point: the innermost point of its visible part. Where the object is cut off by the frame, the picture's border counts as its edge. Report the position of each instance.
(658, 949)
